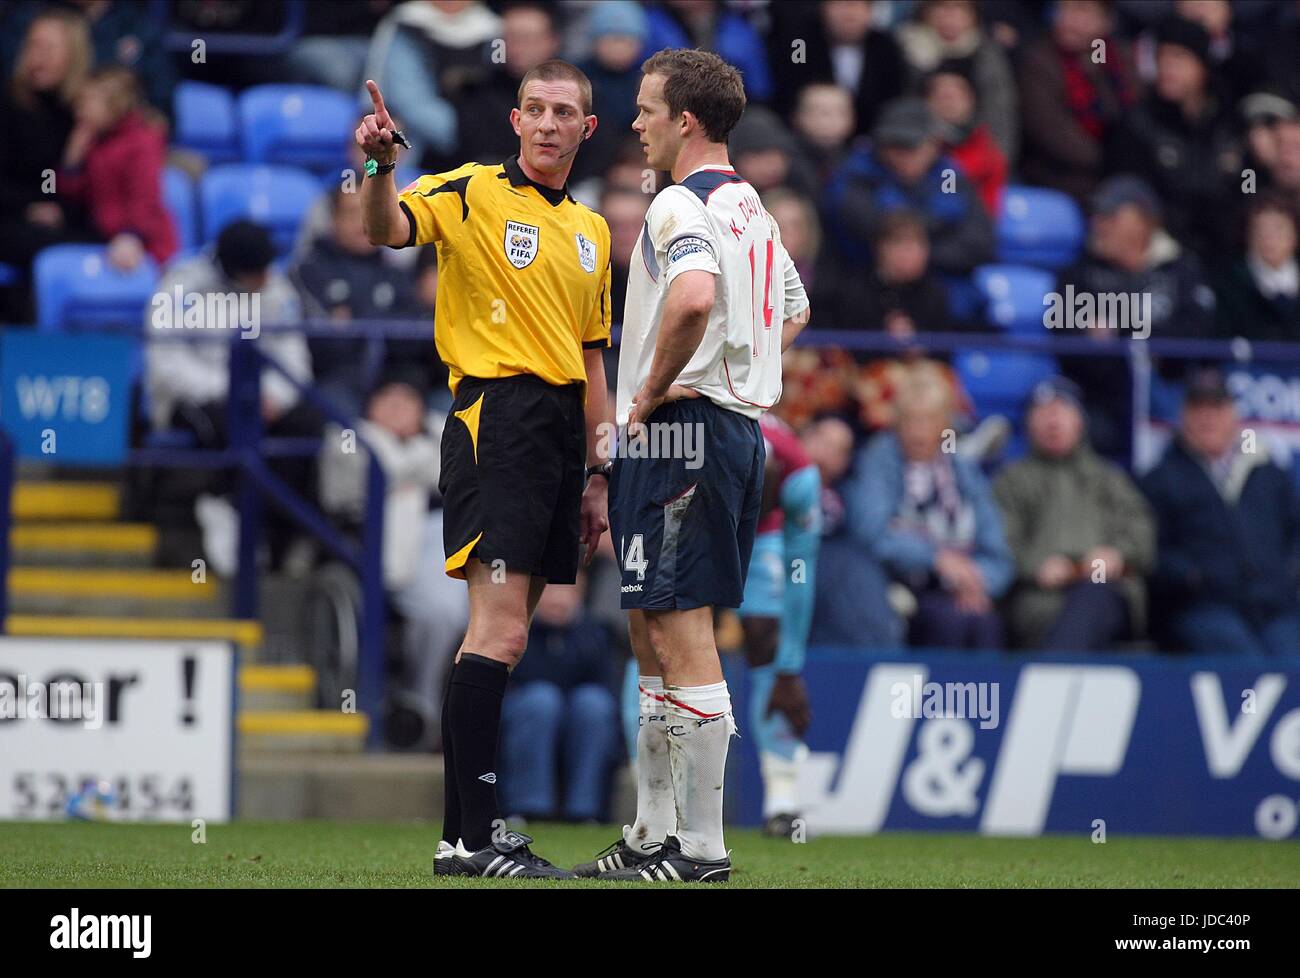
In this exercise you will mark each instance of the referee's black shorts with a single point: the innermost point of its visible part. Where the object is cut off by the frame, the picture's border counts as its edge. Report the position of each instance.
(513, 466)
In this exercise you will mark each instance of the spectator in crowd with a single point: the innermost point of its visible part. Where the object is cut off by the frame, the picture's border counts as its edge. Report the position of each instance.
(951, 98)
(113, 164)
(1228, 532)
(928, 515)
(187, 374)
(1181, 138)
(435, 610)
(1235, 62)
(823, 124)
(422, 54)
(1284, 172)
(36, 113)
(709, 25)
(852, 605)
(903, 168)
(1129, 253)
(801, 236)
(1071, 97)
(763, 152)
(124, 34)
(1259, 296)
(833, 43)
(561, 713)
(617, 30)
(344, 277)
(529, 36)
(335, 41)
(1260, 113)
(1079, 529)
(900, 294)
(949, 31)
(624, 210)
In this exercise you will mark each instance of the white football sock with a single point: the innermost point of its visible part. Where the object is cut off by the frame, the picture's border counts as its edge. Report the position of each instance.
(702, 724)
(656, 814)
(781, 782)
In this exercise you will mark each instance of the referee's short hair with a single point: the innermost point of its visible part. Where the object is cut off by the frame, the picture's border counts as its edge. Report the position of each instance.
(701, 83)
(558, 70)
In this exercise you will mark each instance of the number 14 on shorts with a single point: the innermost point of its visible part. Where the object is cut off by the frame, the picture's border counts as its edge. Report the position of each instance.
(633, 555)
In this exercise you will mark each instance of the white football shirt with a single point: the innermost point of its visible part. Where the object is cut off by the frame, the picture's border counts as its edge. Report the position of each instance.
(713, 221)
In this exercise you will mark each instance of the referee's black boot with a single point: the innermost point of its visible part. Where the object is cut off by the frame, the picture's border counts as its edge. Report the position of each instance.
(508, 857)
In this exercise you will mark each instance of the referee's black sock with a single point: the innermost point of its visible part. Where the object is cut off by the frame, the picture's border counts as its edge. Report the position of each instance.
(450, 791)
(474, 710)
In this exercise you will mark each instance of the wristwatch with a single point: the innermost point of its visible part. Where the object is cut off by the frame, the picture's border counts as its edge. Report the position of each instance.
(603, 468)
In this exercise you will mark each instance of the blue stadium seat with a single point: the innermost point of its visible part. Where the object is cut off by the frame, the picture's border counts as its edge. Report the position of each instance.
(76, 286)
(8, 275)
(999, 381)
(276, 196)
(1013, 295)
(301, 125)
(205, 120)
(1039, 227)
(178, 195)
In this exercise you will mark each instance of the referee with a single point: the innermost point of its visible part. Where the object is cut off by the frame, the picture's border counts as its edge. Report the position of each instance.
(523, 315)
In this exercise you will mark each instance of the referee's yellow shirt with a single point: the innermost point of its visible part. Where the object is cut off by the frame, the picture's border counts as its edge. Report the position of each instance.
(523, 272)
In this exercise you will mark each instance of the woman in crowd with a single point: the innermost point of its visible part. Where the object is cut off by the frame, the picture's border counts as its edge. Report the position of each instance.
(113, 163)
(928, 515)
(36, 113)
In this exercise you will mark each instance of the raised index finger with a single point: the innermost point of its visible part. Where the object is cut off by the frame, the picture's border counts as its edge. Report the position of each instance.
(376, 97)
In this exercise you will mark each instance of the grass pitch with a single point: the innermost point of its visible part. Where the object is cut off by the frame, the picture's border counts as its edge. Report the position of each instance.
(352, 854)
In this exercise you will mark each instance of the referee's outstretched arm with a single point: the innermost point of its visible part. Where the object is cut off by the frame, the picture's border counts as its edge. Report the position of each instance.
(383, 220)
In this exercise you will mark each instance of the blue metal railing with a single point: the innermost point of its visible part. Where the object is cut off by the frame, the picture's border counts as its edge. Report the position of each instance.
(250, 448)
(247, 454)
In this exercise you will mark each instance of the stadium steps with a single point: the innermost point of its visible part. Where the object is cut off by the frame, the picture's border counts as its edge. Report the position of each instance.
(328, 731)
(371, 787)
(79, 571)
(379, 787)
(247, 634)
(65, 500)
(111, 591)
(83, 544)
(276, 687)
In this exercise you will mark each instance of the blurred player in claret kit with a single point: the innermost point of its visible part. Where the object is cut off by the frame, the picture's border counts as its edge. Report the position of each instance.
(522, 317)
(776, 617)
(712, 303)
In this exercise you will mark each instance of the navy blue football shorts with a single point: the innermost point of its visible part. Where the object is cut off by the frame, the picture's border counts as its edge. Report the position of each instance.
(684, 507)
